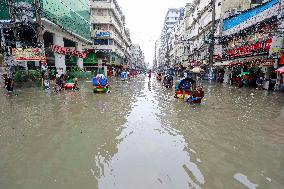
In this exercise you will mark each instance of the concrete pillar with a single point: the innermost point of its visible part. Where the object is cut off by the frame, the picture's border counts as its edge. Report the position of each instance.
(227, 75)
(59, 58)
(105, 70)
(79, 60)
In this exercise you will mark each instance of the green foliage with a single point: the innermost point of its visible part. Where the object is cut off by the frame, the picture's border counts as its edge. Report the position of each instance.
(22, 76)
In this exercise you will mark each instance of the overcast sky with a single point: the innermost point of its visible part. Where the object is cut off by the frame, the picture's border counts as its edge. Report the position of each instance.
(145, 18)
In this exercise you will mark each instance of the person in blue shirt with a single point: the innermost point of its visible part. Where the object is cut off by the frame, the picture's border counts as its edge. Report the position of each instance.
(123, 75)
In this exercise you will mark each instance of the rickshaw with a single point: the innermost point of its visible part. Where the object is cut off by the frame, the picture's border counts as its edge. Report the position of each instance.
(101, 84)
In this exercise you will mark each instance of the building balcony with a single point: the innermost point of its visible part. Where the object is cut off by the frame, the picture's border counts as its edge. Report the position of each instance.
(101, 19)
(110, 6)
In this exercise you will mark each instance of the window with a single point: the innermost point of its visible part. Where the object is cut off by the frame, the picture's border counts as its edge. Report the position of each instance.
(256, 1)
(97, 27)
(110, 42)
(101, 41)
(100, 27)
(100, 12)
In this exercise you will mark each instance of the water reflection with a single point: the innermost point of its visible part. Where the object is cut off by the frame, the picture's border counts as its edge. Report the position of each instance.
(149, 154)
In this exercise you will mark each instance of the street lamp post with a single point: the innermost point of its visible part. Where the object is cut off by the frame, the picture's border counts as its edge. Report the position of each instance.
(212, 41)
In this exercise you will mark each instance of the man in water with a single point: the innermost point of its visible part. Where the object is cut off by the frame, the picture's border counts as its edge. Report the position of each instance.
(8, 83)
(124, 75)
(150, 75)
(259, 82)
(186, 84)
(168, 81)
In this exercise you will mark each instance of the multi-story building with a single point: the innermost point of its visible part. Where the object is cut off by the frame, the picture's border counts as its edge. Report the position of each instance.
(111, 39)
(198, 26)
(156, 60)
(251, 42)
(177, 44)
(66, 30)
(172, 17)
(137, 58)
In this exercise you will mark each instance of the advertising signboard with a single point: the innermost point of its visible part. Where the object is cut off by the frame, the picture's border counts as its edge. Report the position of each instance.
(28, 54)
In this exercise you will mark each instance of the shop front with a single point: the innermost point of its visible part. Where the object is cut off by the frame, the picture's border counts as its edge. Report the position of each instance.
(280, 74)
(249, 52)
(250, 45)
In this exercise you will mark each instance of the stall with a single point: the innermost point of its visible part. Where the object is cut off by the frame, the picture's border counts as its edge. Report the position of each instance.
(280, 78)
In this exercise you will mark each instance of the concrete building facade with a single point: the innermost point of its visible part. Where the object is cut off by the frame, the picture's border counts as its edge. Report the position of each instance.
(199, 27)
(137, 58)
(110, 36)
(172, 17)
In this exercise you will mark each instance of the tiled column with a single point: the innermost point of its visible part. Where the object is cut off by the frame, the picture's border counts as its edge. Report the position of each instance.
(59, 58)
(79, 60)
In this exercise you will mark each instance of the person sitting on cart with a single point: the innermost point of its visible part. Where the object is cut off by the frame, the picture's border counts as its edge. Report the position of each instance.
(197, 95)
(187, 84)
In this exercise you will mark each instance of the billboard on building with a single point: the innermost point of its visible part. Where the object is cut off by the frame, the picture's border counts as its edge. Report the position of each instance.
(250, 17)
(29, 54)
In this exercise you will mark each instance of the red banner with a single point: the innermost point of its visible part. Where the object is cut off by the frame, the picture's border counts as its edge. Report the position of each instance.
(250, 49)
(281, 62)
(67, 51)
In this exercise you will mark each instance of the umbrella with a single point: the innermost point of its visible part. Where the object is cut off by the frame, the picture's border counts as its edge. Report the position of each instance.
(197, 70)
(244, 73)
(280, 70)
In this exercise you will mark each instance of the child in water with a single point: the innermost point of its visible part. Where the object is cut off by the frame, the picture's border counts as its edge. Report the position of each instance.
(76, 85)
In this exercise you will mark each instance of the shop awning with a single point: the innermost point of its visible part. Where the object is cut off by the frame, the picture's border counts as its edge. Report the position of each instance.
(280, 70)
(226, 63)
(258, 61)
(220, 64)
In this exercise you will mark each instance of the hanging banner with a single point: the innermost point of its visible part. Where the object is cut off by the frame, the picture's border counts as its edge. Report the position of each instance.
(100, 63)
(28, 54)
(67, 51)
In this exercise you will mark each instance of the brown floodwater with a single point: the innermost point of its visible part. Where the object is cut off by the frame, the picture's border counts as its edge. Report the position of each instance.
(140, 137)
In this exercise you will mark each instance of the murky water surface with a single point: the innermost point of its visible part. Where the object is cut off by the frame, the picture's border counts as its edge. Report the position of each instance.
(140, 137)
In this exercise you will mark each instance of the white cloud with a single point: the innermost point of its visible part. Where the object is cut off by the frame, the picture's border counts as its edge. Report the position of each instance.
(145, 18)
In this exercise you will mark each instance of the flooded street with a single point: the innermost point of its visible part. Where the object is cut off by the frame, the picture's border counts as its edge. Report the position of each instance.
(140, 137)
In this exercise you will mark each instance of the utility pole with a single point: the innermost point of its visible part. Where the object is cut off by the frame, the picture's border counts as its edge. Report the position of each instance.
(11, 10)
(40, 41)
(212, 42)
(38, 22)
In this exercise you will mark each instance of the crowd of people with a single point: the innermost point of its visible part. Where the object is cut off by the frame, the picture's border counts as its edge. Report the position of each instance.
(250, 78)
(60, 80)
